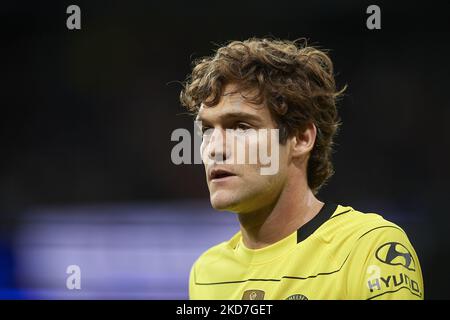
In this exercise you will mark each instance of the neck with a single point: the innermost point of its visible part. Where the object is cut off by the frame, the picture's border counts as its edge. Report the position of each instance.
(293, 208)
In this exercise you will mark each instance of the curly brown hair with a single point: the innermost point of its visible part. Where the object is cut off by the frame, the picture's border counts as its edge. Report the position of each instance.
(294, 80)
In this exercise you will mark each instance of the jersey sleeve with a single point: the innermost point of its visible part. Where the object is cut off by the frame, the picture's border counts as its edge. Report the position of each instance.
(384, 266)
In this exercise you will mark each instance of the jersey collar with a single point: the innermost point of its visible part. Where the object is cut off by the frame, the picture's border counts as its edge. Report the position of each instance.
(312, 225)
(273, 251)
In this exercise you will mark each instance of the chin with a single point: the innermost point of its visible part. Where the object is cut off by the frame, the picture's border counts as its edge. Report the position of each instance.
(223, 202)
(220, 205)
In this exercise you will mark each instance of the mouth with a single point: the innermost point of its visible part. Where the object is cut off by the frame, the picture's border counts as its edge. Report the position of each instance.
(217, 175)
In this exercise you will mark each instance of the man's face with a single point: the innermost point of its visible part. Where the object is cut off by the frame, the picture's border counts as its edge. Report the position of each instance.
(234, 179)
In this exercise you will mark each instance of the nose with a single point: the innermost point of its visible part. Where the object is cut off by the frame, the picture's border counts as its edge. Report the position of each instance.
(217, 148)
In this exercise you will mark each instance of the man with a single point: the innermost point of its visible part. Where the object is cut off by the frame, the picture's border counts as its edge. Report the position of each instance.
(290, 244)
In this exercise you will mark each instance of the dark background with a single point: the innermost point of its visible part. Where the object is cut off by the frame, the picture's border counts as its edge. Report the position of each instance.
(86, 116)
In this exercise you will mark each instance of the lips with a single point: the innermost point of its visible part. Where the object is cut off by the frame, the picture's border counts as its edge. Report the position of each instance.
(217, 174)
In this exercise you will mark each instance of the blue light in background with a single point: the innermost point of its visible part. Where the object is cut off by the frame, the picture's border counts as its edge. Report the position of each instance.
(134, 251)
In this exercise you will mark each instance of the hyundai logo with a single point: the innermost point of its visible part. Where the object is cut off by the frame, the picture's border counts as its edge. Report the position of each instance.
(396, 254)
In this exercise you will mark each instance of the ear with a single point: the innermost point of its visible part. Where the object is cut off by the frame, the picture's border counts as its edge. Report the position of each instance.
(303, 142)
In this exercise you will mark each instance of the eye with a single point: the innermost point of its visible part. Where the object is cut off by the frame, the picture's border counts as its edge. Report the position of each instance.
(205, 129)
(242, 126)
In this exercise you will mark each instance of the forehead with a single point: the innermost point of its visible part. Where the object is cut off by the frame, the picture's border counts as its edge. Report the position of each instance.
(233, 104)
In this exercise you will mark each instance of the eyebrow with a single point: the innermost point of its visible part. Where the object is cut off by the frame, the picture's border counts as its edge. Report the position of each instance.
(234, 115)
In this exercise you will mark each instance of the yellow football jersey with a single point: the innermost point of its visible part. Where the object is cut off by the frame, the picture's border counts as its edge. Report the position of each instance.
(340, 254)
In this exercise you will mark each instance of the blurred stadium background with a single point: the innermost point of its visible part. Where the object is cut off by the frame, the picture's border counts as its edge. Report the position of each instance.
(85, 171)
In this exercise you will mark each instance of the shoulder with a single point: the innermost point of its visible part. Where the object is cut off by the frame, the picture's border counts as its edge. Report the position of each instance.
(381, 262)
(348, 224)
(350, 233)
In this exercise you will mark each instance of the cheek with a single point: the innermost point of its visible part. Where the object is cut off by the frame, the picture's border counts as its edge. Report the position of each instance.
(204, 148)
(245, 149)
(272, 140)
(265, 146)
